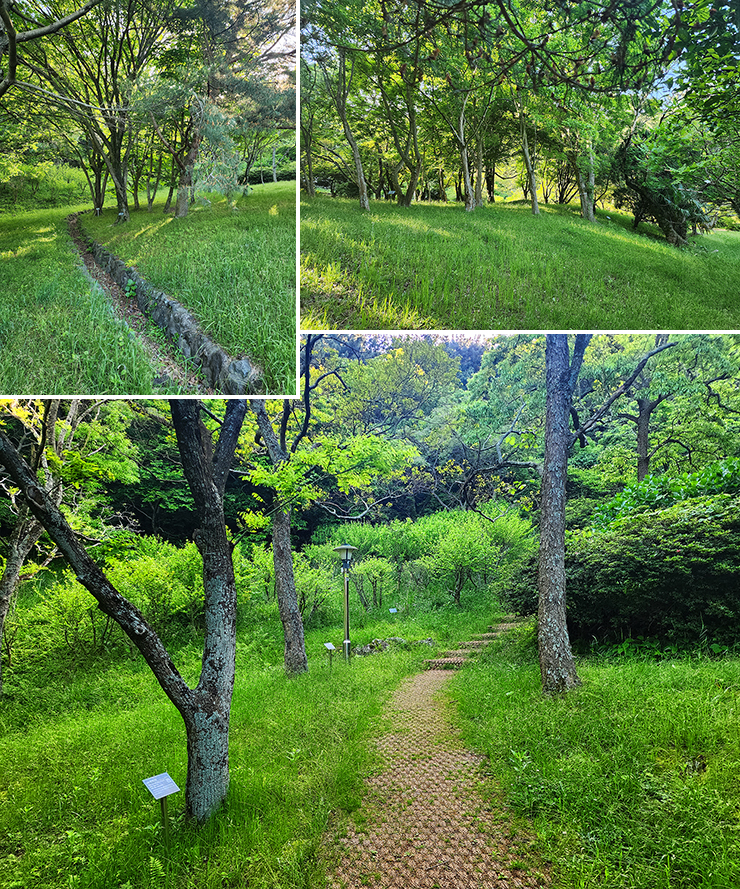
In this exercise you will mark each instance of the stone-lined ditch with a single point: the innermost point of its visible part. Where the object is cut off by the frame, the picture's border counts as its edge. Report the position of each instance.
(221, 372)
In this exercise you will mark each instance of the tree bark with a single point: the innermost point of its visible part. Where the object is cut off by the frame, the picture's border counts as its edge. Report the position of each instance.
(557, 667)
(25, 535)
(531, 175)
(204, 709)
(295, 658)
(282, 553)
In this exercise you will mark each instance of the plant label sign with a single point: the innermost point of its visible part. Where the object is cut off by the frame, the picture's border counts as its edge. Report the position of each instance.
(393, 610)
(161, 785)
(329, 647)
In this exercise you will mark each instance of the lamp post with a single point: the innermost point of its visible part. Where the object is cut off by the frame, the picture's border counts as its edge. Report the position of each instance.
(346, 552)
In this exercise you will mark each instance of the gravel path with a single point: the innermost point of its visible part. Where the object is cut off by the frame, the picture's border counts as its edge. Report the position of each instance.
(424, 822)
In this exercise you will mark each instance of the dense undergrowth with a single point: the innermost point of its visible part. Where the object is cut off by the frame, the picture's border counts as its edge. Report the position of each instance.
(58, 332)
(436, 266)
(231, 262)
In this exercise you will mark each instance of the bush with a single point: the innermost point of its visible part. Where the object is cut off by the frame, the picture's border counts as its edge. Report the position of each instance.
(672, 574)
(658, 492)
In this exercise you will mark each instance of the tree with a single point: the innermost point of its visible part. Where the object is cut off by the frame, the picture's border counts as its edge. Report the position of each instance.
(557, 667)
(71, 448)
(10, 38)
(205, 709)
(295, 657)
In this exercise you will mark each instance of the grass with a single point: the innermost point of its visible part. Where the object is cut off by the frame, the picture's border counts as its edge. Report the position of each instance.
(75, 811)
(78, 733)
(632, 780)
(233, 266)
(435, 266)
(58, 333)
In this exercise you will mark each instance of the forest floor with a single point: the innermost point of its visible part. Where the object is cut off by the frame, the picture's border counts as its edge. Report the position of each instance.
(230, 262)
(434, 266)
(428, 818)
(58, 332)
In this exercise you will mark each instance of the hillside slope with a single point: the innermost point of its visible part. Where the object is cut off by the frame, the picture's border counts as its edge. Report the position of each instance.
(498, 268)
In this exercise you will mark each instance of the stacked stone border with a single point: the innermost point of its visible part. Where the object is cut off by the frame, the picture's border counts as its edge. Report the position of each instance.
(229, 376)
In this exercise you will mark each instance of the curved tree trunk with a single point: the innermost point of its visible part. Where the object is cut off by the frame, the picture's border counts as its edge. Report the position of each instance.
(205, 708)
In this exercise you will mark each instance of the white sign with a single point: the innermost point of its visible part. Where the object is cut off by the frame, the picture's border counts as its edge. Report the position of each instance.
(393, 610)
(329, 647)
(161, 785)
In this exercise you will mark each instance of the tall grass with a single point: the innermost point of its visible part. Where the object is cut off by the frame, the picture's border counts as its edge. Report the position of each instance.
(80, 729)
(436, 266)
(58, 333)
(75, 811)
(631, 780)
(231, 263)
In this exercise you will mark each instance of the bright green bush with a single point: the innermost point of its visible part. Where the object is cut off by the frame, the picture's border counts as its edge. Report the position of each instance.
(438, 557)
(659, 491)
(672, 574)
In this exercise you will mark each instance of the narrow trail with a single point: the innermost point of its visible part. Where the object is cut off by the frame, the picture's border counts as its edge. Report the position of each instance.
(424, 822)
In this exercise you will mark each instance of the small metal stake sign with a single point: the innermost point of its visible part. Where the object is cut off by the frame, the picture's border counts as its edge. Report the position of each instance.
(393, 610)
(160, 787)
(330, 648)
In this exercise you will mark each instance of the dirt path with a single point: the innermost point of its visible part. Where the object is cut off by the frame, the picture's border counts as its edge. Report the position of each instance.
(424, 822)
(169, 371)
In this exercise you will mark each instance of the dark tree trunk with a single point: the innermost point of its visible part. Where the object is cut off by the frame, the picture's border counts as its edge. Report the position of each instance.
(557, 667)
(204, 709)
(282, 553)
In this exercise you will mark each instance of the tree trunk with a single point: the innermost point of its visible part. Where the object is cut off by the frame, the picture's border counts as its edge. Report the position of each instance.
(531, 175)
(586, 186)
(467, 183)
(25, 535)
(479, 171)
(557, 667)
(204, 709)
(308, 174)
(290, 614)
(282, 553)
(442, 189)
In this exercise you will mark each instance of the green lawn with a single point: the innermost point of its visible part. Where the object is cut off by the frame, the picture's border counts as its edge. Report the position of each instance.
(438, 267)
(233, 266)
(58, 333)
(77, 741)
(631, 781)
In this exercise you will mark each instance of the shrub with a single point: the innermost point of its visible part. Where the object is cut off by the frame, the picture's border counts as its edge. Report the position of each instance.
(672, 574)
(657, 492)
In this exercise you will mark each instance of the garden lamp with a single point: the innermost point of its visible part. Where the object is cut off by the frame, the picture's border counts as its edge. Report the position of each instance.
(346, 552)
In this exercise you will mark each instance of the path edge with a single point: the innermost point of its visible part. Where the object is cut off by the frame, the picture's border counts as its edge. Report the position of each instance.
(228, 375)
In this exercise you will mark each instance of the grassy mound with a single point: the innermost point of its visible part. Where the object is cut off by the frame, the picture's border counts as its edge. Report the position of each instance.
(233, 266)
(436, 266)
